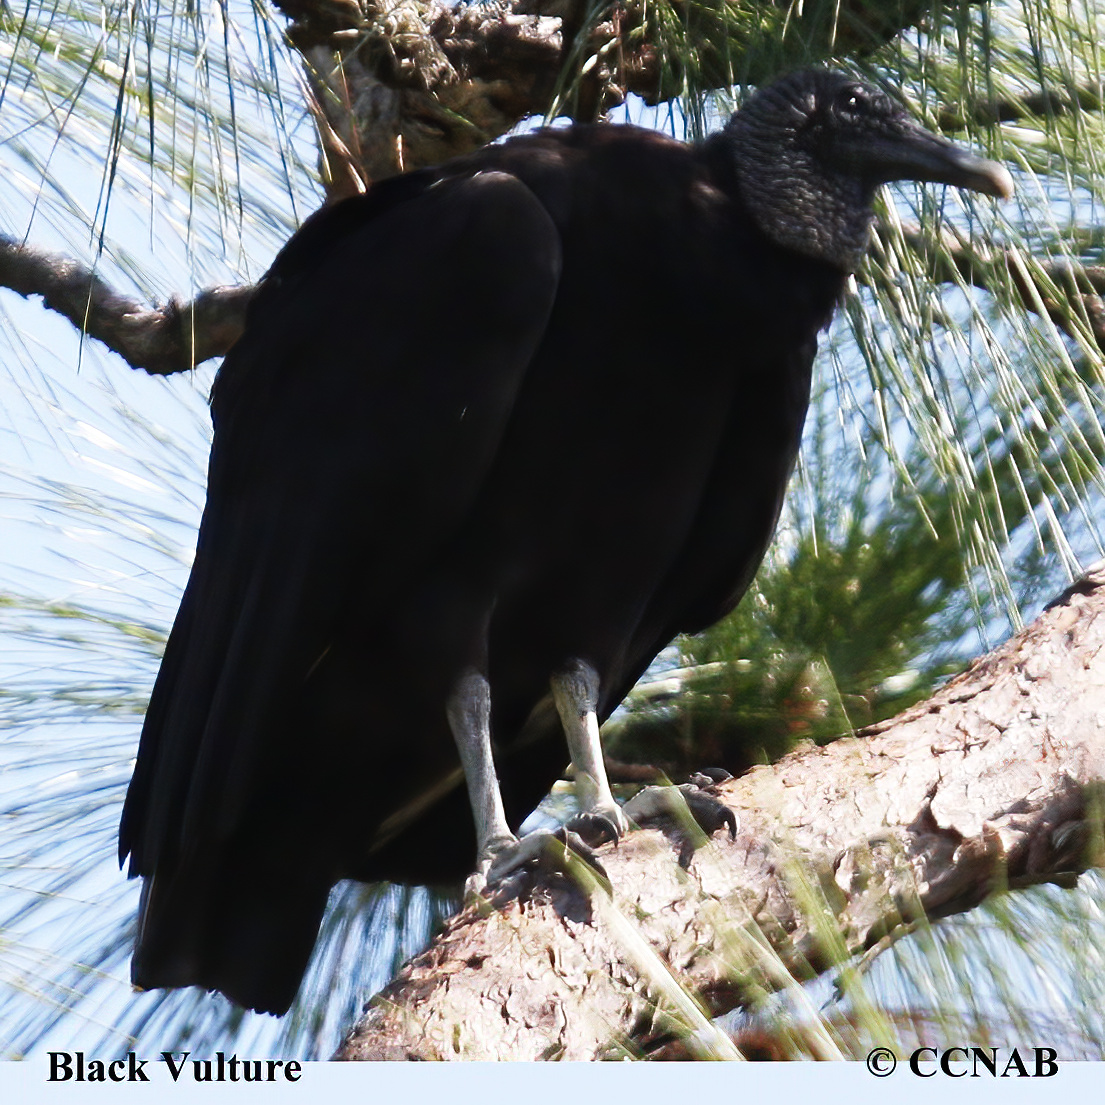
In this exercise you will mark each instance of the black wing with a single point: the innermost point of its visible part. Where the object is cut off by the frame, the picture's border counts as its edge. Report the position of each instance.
(354, 423)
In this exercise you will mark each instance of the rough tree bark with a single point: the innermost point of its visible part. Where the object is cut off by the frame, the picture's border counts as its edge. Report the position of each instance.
(990, 784)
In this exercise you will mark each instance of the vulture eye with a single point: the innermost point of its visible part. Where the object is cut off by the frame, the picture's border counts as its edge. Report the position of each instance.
(853, 103)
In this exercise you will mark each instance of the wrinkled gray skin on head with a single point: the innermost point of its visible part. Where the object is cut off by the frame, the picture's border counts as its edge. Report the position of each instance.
(812, 149)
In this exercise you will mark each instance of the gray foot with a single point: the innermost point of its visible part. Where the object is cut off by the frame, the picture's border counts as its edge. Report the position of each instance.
(493, 852)
(520, 864)
(684, 813)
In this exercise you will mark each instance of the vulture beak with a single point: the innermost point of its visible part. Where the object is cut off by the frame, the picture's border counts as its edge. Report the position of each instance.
(912, 153)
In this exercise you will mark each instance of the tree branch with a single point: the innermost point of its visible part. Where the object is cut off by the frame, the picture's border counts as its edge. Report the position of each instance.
(1088, 96)
(990, 782)
(161, 340)
(407, 83)
(1067, 293)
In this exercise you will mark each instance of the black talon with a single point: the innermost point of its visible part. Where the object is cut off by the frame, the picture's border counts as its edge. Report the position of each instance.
(594, 828)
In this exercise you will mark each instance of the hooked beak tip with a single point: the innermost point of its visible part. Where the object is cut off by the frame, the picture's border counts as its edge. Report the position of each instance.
(994, 179)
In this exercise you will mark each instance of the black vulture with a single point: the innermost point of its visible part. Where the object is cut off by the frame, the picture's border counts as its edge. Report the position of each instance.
(495, 432)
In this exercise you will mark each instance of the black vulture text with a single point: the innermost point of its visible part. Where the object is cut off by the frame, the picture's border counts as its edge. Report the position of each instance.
(72, 1066)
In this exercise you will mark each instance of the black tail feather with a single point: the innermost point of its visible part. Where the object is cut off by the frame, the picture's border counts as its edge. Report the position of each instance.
(226, 925)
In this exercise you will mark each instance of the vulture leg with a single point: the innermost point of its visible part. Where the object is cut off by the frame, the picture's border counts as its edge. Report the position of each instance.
(503, 862)
(469, 713)
(575, 690)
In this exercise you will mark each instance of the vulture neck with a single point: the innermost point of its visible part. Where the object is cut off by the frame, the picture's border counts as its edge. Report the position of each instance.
(796, 202)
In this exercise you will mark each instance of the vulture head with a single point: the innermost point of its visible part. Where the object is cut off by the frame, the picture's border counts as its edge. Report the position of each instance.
(812, 149)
